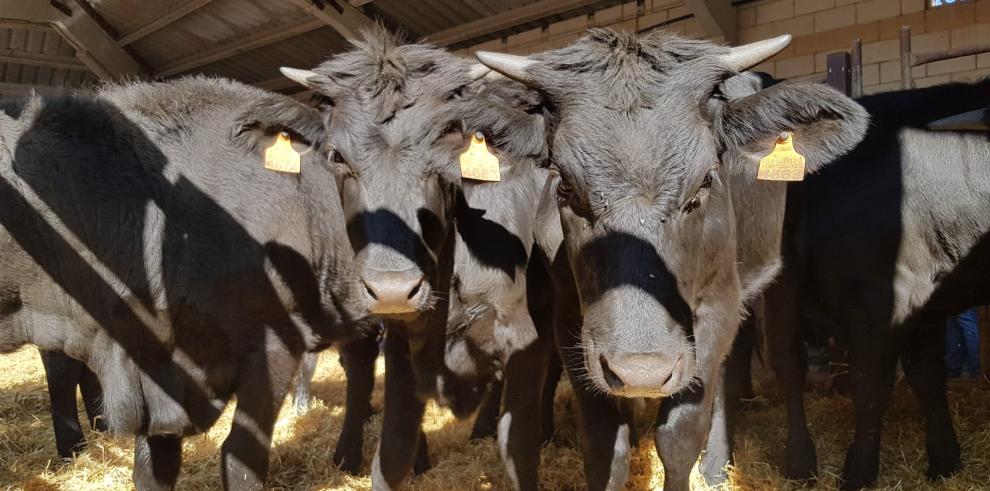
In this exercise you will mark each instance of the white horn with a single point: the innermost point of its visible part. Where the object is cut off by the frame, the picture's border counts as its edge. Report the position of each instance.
(749, 55)
(511, 66)
(968, 121)
(298, 76)
(478, 71)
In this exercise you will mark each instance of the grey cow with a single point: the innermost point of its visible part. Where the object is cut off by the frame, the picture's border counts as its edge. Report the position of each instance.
(666, 229)
(401, 116)
(142, 235)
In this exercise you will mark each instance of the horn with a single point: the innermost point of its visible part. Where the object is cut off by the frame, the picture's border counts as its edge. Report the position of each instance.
(478, 71)
(749, 55)
(968, 121)
(298, 76)
(511, 66)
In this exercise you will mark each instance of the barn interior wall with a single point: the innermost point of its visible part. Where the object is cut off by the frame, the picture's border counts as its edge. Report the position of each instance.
(819, 27)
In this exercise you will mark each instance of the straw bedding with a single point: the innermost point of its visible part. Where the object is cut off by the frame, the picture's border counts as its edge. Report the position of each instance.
(304, 443)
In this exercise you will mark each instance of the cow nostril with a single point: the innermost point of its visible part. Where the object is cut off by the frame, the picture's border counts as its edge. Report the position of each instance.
(415, 290)
(370, 291)
(611, 378)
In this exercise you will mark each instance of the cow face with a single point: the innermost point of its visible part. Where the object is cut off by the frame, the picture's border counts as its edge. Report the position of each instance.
(644, 142)
(393, 146)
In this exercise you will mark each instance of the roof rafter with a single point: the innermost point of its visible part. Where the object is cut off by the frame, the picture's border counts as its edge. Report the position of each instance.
(39, 59)
(221, 51)
(505, 20)
(163, 21)
(343, 17)
(94, 46)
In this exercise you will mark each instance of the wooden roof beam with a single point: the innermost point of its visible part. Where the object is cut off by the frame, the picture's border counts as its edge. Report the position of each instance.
(717, 18)
(94, 46)
(243, 44)
(342, 16)
(39, 59)
(161, 22)
(507, 19)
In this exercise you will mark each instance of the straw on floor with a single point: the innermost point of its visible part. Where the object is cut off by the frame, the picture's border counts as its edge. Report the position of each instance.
(304, 443)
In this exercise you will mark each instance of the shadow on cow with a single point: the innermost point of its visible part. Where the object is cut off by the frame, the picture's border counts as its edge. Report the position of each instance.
(180, 305)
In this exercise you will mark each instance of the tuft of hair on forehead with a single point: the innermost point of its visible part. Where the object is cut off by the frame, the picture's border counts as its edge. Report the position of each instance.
(384, 73)
(628, 70)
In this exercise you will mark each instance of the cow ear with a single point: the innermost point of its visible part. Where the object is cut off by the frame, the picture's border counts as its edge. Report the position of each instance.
(824, 123)
(275, 113)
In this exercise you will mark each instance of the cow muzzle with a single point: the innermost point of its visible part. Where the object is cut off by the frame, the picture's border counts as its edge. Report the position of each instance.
(645, 374)
(393, 293)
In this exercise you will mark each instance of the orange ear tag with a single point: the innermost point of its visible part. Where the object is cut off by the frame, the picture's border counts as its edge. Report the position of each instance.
(281, 156)
(783, 163)
(478, 163)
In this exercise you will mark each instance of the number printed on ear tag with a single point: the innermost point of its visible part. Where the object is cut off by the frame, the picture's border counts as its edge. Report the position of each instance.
(281, 156)
(783, 163)
(478, 163)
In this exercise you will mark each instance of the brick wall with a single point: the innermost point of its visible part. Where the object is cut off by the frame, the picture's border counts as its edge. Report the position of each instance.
(819, 27)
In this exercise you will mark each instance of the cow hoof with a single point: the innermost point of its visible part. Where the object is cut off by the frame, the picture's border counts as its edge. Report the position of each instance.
(943, 465)
(714, 477)
(801, 463)
(421, 465)
(858, 473)
(348, 459)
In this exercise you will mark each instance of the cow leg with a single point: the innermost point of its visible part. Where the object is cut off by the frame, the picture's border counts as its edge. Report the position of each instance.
(486, 423)
(358, 359)
(718, 450)
(403, 416)
(872, 372)
(157, 460)
(789, 361)
(683, 423)
(300, 399)
(266, 377)
(63, 375)
(422, 462)
(519, 435)
(554, 371)
(922, 359)
(92, 394)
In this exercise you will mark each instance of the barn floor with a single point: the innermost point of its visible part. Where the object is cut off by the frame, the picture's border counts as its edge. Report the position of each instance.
(304, 444)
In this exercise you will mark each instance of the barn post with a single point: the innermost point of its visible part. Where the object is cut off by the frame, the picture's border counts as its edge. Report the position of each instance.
(838, 74)
(907, 82)
(857, 69)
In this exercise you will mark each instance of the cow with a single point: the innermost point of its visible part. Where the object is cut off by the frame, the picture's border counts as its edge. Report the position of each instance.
(143, 235)
(666, 229)
(399, 123)
(883, 245)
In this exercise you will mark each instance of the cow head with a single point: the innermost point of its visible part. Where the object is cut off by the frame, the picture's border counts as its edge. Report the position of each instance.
(643, 142)
(393, 146)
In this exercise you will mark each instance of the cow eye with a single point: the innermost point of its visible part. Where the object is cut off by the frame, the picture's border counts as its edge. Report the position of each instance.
(340, 164)
(695, 202)
(707, 183)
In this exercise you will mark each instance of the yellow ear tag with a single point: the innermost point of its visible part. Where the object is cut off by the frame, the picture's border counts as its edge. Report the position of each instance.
(479, 163)
(783, 163)
(281, 156)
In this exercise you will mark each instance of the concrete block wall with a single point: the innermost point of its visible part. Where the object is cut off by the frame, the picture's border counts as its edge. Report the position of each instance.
(819, 27)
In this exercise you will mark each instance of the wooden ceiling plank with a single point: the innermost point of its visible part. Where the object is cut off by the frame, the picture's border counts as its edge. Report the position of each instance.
(35, 59)
(505, 20)
(163, 21)
(247, 43)
(93, 44)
